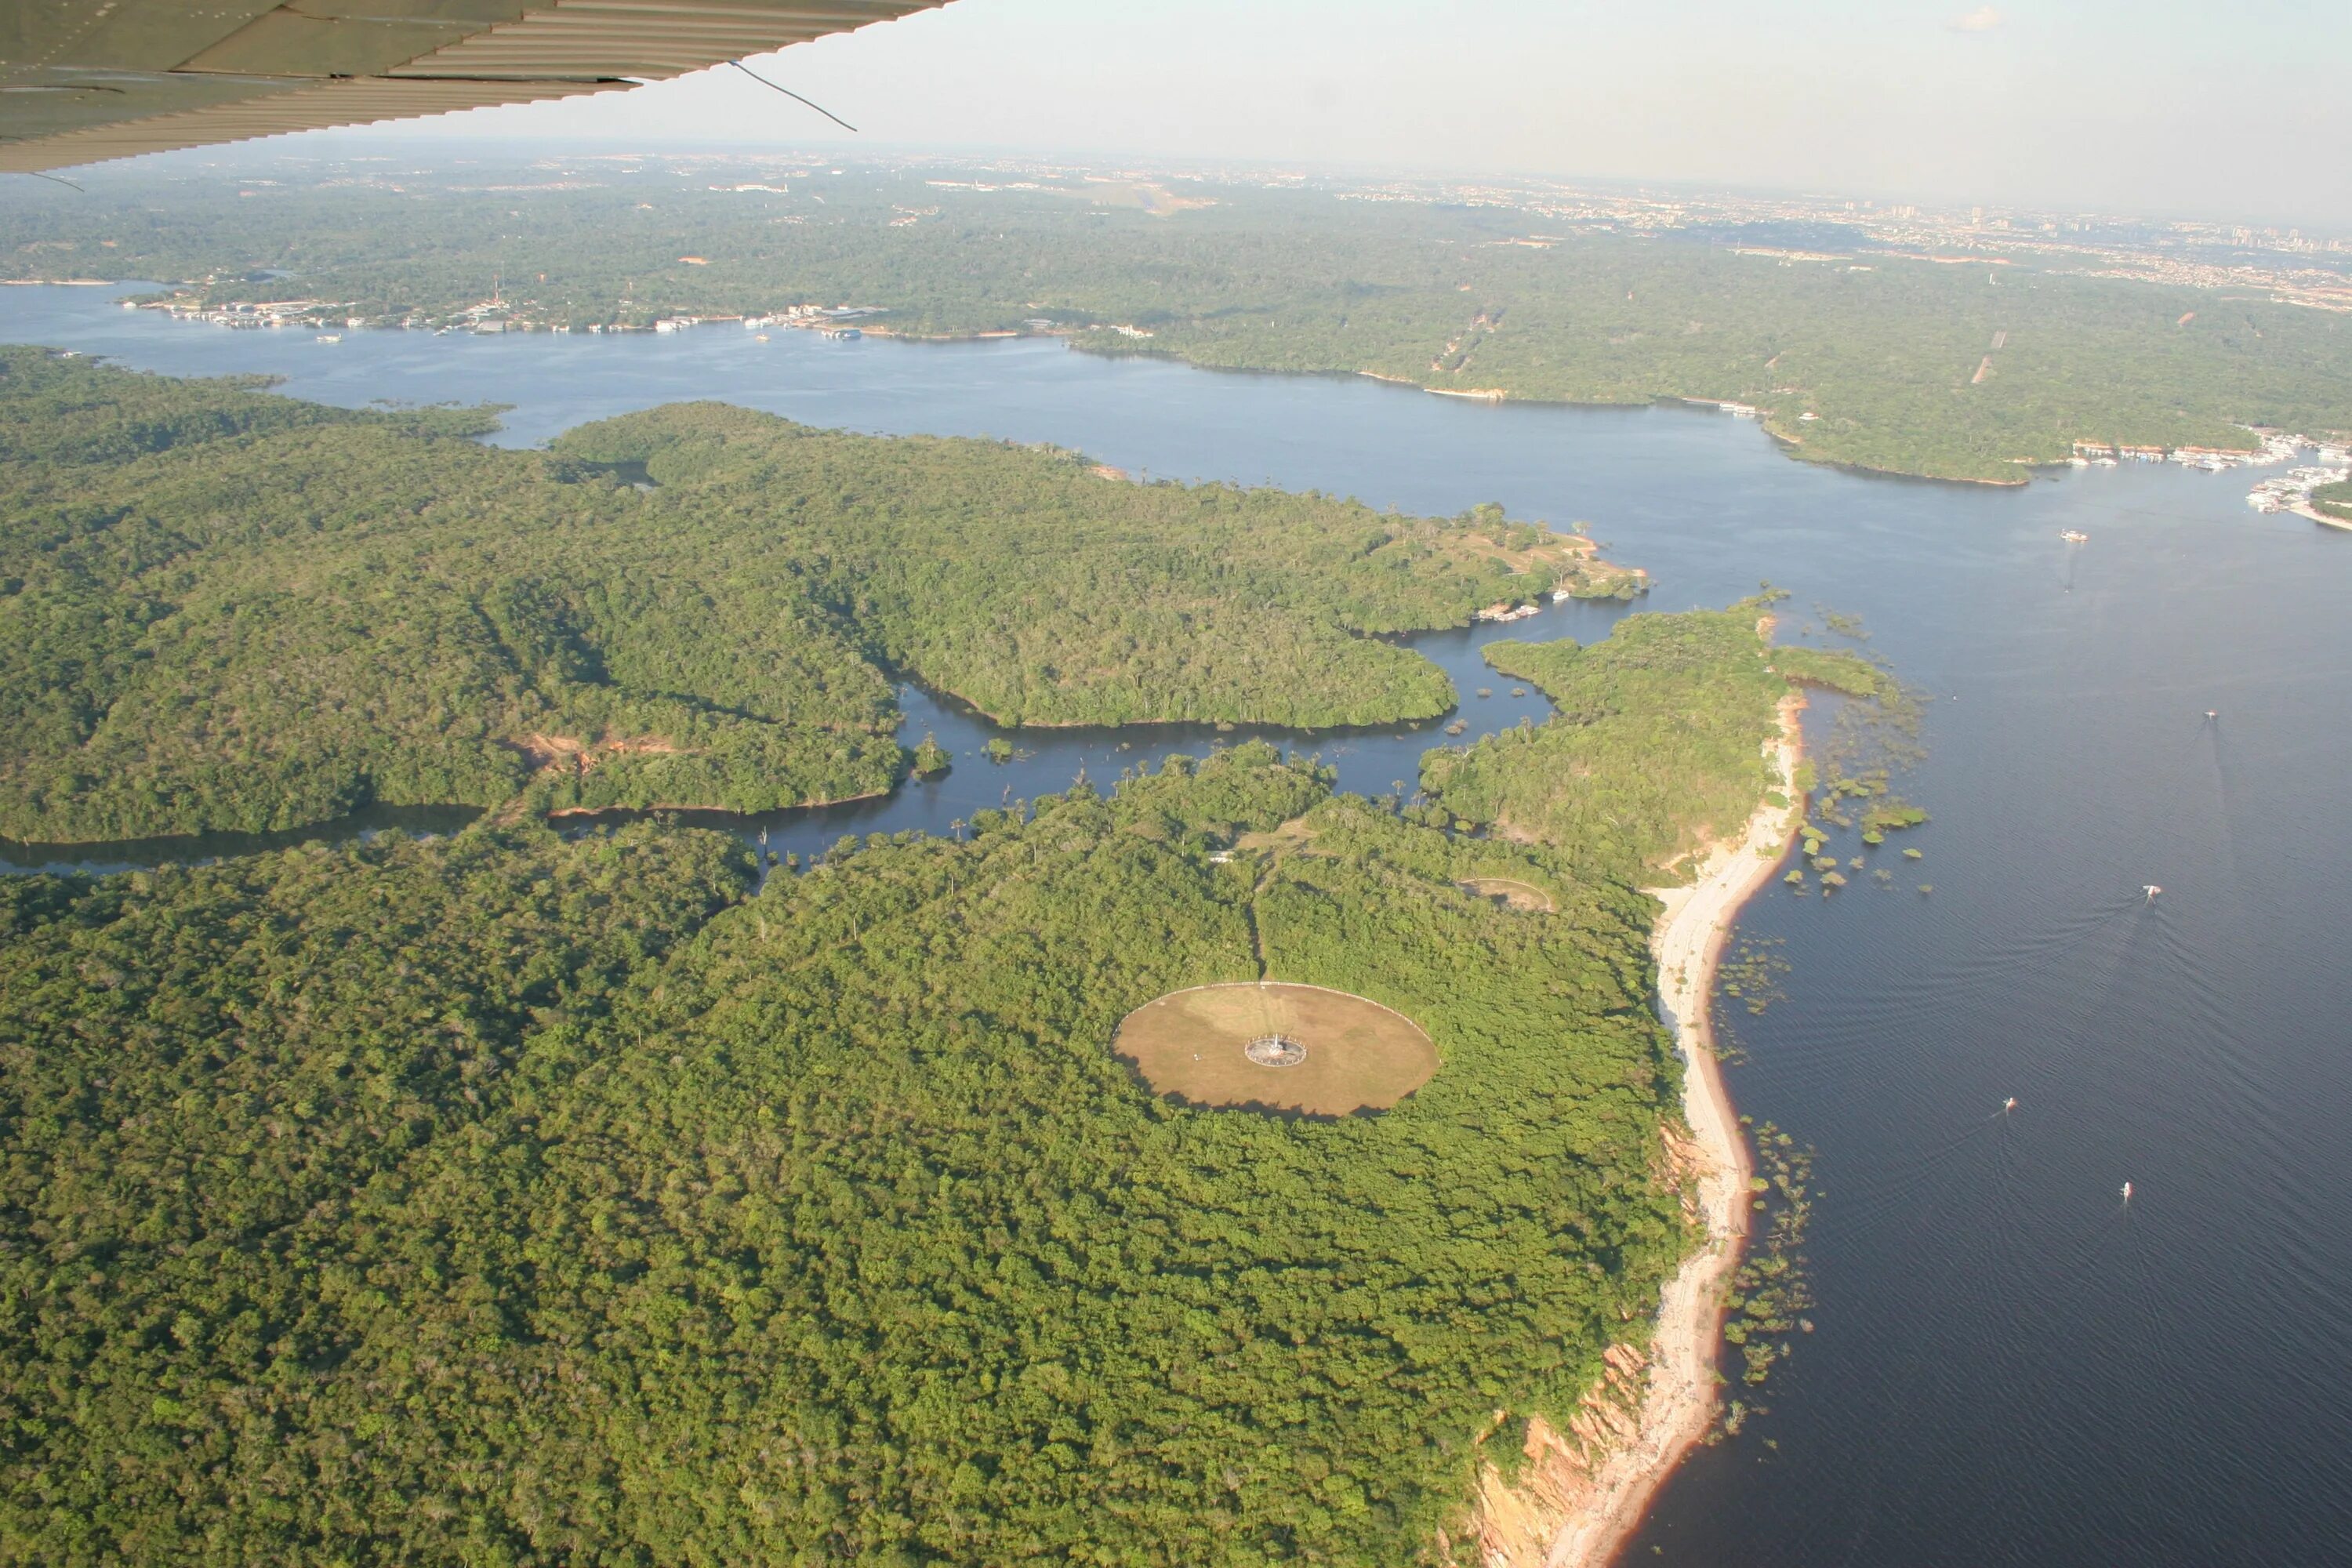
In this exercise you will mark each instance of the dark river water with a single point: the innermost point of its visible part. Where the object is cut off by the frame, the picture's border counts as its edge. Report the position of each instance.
(2010, 1365)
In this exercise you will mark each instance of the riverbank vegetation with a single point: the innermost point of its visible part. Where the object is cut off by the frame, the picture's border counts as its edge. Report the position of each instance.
(1849, 674)
(509, 1199)
(1657, 745)
(1871, 358)
(223, 609)
(1020, 581)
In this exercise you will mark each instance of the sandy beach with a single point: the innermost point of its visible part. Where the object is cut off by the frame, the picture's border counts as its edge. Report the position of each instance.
(1587, 1489)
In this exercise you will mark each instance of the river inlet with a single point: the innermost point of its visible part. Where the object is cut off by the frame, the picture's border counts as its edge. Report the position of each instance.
(2010, 1365)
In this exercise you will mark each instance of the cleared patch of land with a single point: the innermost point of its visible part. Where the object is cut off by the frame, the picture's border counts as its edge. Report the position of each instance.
(1286, 838)
(1360, 1056)
(1511, 893)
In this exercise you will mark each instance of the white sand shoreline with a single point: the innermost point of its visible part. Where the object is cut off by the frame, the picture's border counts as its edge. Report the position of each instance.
(1576, 1516)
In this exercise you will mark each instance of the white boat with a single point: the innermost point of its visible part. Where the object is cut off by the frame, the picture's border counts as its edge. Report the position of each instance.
(2075, 536)
(330, 337)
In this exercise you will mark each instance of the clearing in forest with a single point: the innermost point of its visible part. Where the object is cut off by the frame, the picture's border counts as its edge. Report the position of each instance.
(1510, 892)
(1276, 1047)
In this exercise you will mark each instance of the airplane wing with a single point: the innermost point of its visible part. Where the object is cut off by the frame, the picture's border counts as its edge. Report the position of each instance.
(84, 80)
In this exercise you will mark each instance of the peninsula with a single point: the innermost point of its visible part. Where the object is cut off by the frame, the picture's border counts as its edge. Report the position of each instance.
(486, 1196)
(232, 610)
(1586, 1484)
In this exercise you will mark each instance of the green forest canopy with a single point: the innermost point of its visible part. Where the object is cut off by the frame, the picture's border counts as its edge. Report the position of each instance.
(220, 609)
(1905, 364)
(463, 1201)
(1835, 669)
(507, 1199)
(1657, 746)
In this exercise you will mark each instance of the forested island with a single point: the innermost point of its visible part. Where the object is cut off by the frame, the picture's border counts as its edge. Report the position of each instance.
(1906, 363)
(224, 609)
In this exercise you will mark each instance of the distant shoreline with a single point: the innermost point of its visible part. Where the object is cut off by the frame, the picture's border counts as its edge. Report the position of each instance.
(1078, 338)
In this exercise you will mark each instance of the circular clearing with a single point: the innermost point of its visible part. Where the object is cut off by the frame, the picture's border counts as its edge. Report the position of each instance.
(1271, 1045)
(1510, 892)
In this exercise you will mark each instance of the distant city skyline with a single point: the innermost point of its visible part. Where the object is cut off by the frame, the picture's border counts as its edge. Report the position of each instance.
(2162, 108)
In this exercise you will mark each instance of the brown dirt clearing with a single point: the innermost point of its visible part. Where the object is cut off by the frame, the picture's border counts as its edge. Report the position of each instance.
(1292, 835)
(570, 754)
(1360, 1054)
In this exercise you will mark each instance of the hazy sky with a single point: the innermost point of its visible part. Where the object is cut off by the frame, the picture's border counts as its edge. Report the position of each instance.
(2164, 107)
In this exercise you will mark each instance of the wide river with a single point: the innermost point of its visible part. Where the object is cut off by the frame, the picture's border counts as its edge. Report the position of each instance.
(2010, 1365)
